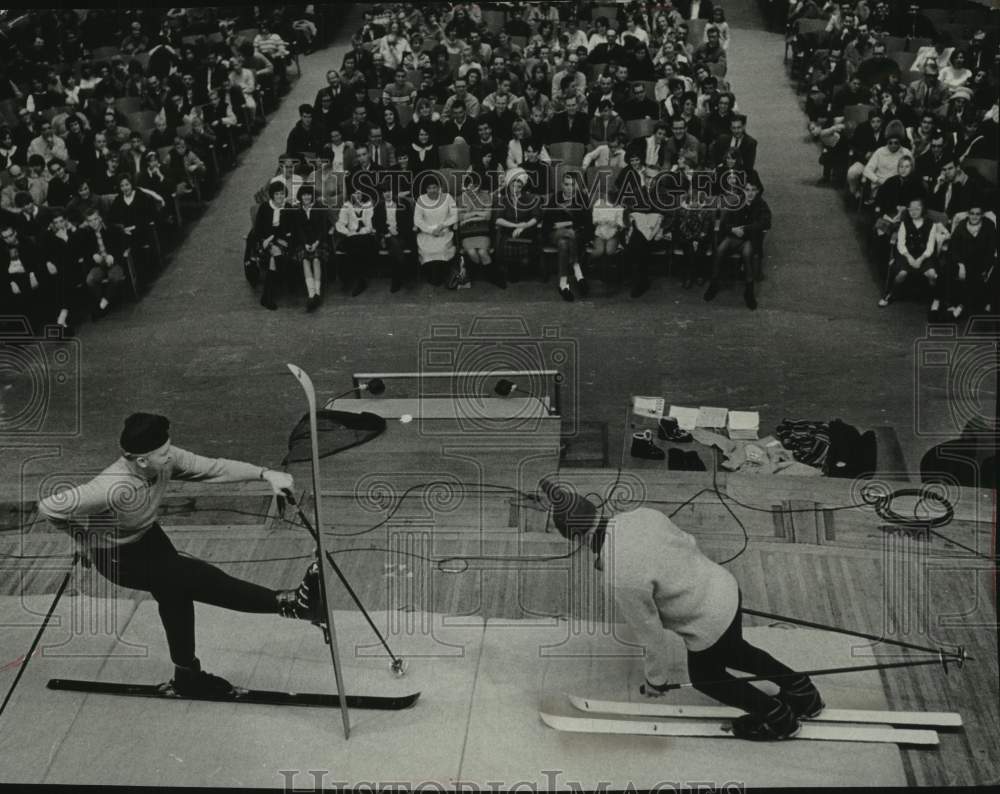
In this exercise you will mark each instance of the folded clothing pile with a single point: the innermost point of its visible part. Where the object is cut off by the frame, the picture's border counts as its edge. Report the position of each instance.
(836, 448)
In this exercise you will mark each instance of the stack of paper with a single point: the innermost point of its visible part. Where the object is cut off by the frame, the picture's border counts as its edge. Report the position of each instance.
(705, 416)
(711, 417)
(687, 418)
(743, 424)
(648, 406)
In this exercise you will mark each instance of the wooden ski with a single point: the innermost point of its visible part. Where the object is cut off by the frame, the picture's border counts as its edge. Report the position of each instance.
(720, 729)
(929, 719)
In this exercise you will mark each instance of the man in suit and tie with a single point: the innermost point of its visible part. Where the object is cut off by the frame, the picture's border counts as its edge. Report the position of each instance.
(94, 158)
(338, 97)
(383, 155)
(356, 128)
(364, 176)
(737, 139)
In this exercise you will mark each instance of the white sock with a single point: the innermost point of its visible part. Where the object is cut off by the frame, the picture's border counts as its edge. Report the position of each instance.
(104, 303)
(577, 271)
(310, 286)
(563, 282)
(935, 305)
(61, 320)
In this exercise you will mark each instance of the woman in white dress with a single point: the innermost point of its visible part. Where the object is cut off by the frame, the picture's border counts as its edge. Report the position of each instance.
(608, 219)
(435, 215)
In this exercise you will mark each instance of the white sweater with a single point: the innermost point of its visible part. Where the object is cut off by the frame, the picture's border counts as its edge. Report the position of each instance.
(661, 580)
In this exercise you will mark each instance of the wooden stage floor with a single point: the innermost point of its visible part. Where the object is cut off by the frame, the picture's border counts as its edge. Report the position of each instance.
(473, 631)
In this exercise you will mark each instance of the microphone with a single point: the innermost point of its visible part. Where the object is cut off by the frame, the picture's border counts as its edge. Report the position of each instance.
(374, 387)
(505, 387)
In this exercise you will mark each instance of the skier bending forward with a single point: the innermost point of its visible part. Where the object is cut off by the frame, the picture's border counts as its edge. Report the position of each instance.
(662, 581)
(113, 519)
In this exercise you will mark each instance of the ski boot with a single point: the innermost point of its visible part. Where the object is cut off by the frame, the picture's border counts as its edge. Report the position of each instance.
(776, 725)
(643, 446)
(192, 681)
(802, 698)
(306, 601)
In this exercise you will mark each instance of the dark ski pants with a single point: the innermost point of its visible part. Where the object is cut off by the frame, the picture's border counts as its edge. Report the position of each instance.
(707, 670)
(176, 581)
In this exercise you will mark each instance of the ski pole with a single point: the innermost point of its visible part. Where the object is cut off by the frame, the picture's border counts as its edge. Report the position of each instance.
(810, 624)
(943, 660)
(38, 636)
(398, 665)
